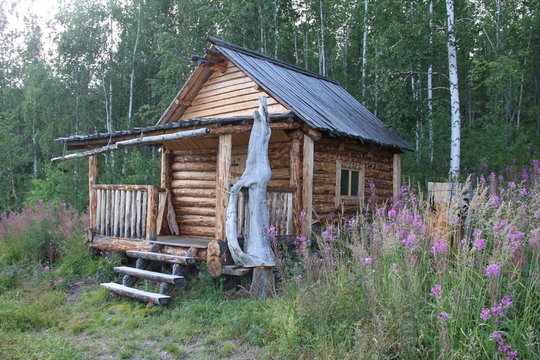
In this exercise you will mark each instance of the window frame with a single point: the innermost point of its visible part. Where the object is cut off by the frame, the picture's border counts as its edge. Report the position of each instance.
(350, 199)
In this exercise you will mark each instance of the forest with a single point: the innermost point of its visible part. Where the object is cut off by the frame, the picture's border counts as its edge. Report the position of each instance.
(98, 66)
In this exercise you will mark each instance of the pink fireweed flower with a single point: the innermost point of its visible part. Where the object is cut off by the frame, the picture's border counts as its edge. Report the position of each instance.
(479, 244)
(272, 231)
(394, 267)
(392, 213)
(537, 214)
(372, 186)
(511, 185)
(524, 192)
(501, 225)
(493, 271)
(327, 234)
(303, 214)
(442, 317)
(436, 291)
(485, 314)
(503, 348)
(507, 301)
(410, 241)
(368, 261)
(495, 201)
(351, 223)
(439, 247)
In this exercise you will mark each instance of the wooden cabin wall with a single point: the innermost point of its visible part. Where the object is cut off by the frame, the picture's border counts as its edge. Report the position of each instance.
(377, 170)
(231, 93)
(193, 188)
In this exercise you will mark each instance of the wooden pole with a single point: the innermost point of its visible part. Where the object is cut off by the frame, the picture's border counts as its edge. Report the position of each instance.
(307, 183)
(223, 183)
(396, 174)
(296, 178)
(151, 213)
(93, 178)
(165, 168)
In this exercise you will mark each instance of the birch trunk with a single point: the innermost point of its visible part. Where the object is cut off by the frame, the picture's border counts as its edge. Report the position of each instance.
(430, 85)
(364, 49)
(455, 142)
(322, 58)
(257, 249)
(132, 76)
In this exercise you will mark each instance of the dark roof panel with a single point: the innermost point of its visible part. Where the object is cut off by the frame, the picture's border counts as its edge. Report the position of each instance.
(321, 102)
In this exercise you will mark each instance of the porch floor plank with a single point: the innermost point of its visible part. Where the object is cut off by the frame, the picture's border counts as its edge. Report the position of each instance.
(183, 241)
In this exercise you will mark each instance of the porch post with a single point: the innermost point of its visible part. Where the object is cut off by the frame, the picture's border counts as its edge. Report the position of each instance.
(93, 178)
(307, 183)
(396, 174)
(223, 183)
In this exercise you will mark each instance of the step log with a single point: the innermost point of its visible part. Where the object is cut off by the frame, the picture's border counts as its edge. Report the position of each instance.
(150, 275)
(173, 259)
(146, 296)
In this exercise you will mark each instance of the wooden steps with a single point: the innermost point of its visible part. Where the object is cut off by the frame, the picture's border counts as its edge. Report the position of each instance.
(183, 268)
(147, 296)
(150, 275)
(154, 256)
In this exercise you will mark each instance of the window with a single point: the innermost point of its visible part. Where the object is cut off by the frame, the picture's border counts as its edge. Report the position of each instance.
(350, 183)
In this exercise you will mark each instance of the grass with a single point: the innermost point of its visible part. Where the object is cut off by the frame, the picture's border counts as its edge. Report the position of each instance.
(376, 286)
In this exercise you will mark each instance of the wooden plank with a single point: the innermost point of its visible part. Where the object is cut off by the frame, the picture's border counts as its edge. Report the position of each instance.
(251, 105)
(133, 220)
(171, 216)
(223, 183)
(295, 179)
(146, 296)
(396, 176)
(337, 184)
(151, 213)
(93, 178)
(102, 211)
(121, 216)
(107, 212)
(161, 210)
(165, 174)
(150, 275)
(116, 212)
(172, 259)
(208, 91)
(230, 93)
(121, 187)
(138, 201)
(127, 215)
(307, 183)
(144, 215)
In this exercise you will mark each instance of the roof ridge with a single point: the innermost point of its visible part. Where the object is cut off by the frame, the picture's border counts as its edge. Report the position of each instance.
(278, 62)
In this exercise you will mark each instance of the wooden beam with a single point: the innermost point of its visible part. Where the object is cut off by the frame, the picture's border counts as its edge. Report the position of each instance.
(93, 178)
(396, 176)
(295, 179)
(182, 102)
(314, 134)
(150, 275)
(165, 168)
(146, 296)
(133, 142)
(223, 183)
(235, 129)
(173, 259)
(307, 183)
(151, 213)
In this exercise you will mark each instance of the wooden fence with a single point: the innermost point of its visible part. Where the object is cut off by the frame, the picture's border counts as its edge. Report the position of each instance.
(126, 211)
(280, 213)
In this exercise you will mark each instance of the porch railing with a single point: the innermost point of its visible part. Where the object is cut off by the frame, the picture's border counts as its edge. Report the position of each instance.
(126, 211)
(280, 212)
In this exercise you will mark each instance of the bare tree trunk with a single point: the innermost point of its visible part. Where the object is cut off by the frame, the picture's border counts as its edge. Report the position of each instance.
(455, 142)
(322, 56)
(364, 49)
(430, 85)
(305, 47)
(132, 77)
(111, 61)
(276, 29)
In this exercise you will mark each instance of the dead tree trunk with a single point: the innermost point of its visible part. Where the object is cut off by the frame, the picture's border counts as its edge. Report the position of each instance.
(257, 249)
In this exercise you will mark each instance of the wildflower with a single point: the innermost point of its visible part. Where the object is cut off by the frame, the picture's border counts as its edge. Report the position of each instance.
(507, 301)
(368, 261)
(299, 277)
(351, 223)
(327, 234)
(479, 244)
(482, 180)
(537, 214)
(272, 231)
(511, 185)
(503, 348)
(394, 267)
(485, 314)
(534, 238)
(392, 213)
(372, 186)
(46, 268)
(303, 214)
(495, 201)
(493, 271)
(410, 241)
(436, 290)
(439, 247)
(524, 192)
(502, 224)
(442, 317)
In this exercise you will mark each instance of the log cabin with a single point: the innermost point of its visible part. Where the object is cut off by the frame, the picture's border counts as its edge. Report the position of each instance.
(325, 150)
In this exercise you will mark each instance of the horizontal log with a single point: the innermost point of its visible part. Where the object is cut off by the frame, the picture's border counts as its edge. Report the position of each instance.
(194, 175)
(280, 173)
(150, 275)
(198, 230)
(123, 187)
(172, 259)
(204, 211)
(196, 220)
(195, 184)
(194, 153)
(194, 201)
(145, 296)
(194, 166)
(194, 192)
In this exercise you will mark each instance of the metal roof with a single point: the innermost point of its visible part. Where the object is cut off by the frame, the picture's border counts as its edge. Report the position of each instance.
(319, 101)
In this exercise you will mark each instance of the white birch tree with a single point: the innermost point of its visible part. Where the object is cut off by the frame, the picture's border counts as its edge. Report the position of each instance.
(455, 140)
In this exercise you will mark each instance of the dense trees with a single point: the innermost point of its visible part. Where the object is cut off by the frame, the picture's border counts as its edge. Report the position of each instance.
(117, 64)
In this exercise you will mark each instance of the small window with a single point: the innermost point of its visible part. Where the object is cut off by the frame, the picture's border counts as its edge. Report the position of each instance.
(350, 182)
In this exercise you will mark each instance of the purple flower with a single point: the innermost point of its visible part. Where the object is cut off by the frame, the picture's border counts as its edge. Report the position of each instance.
(394, 267)
(351, 223)
(436, 290)
(372, 186)
(299, 277)
(502, 224)
(507, 301)
(439, 247)
(485, 314)
(46, 268)
(511, 185)
(303, 214)
(482, 180)
(495, 201)
(537, 214)
(272, 231)
(524, 192)
(442, 317)
(410, 241)
(479, 244)
(368, 261)
(493, 271)
(392, 213)
(327, 234)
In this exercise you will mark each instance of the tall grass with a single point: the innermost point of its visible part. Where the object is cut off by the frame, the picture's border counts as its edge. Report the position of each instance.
(388, 284)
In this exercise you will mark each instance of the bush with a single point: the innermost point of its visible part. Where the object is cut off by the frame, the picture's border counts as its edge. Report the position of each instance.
(386, 284)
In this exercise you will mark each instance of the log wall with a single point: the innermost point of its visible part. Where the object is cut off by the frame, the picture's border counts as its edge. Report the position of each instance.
(377, 164)
(231, 93)
(193, 188)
